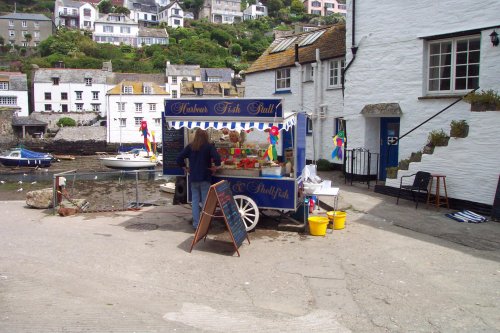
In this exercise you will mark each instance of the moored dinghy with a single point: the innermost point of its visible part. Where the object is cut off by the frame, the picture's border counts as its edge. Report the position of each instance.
(22, 157)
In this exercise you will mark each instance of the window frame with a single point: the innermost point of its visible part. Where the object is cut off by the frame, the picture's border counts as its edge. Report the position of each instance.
(79, 106)
(138, 107)
(78, 95)
(4, 85)
(121, 106)
(64, 96)
(88, 81)
(152, 107)
(286, 79)
(138, 120)
(47, 96)
(8, 100)
(453, 64)
(95, 95)
(335, 69)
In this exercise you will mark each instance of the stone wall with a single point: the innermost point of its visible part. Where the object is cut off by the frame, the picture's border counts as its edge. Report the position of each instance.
(6, 131)
(51, 118)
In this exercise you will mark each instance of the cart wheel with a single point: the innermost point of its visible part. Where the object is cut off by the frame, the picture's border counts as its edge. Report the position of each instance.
(248, 210)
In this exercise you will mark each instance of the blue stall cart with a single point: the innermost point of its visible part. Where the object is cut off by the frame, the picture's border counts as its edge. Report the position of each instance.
(256, 188)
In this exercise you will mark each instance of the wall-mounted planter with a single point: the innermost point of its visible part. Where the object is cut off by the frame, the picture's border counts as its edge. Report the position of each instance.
(392, 172)
(481, 107)
(459, 129)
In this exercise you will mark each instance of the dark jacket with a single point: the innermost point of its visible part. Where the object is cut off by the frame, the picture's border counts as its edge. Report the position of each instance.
(199, 162)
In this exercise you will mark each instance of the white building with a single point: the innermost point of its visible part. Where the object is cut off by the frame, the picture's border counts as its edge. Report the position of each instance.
(172, 14)
(308, 78)
(176, 74)
(74, 14)
(116, 29)
(152, 36)
(253, 12)
(14, 92)
(222, 11)
(129, 103)
(70, 90)
(413, 64)
(144, 12)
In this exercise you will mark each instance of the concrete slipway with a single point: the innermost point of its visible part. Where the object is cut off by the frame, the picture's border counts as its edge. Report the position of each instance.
(393, 269)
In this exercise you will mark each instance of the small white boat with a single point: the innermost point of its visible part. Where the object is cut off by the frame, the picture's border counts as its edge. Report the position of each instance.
(134, 159)
(168, 187)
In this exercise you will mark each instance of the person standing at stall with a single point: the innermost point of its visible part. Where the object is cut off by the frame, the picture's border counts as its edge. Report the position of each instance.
(200, 154)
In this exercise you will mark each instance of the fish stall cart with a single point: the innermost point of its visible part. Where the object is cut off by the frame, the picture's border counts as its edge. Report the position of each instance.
(262, 150)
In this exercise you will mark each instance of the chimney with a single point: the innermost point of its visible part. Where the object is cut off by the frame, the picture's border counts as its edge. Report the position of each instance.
(296, 52)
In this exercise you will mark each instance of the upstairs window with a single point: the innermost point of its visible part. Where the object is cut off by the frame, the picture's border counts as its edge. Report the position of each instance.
(335, 68)
(138, 107)
(4, 85)
(55, 81)
(147, 90)
(86, 12)
(128, 89)
(174, 93)
(64, 96)
(36, 24)
(121, 106)
(24, 24)
(152, 107)
(137, 121)
(95, 95)
(123, 122)
(8, 100)
(283, 79)
(174, 79)
(125, 30)
(48, 96)
(11, 23)
(453, 64)
(107, 28)
(316, 4)
(88, 81)
(78, 95)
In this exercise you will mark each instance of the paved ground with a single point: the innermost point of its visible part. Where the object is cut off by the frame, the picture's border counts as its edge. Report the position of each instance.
(393, 269)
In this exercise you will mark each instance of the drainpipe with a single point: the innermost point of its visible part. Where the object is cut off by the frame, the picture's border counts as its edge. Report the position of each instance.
(299, 68)
(354, 49)
(318, 86)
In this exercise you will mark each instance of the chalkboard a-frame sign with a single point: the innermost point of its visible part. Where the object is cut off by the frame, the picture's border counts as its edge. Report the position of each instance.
(220, 195)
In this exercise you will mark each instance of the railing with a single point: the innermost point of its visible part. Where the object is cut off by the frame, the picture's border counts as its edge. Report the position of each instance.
(360, 165)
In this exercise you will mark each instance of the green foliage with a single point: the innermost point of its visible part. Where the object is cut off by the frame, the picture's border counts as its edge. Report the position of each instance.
(2, 41)
(392, 172)
(485, 97)
(221, 37)
(236, 49)
(297, 7)
(459, 129)
(66, 122)
(122, 10)
(334, 18)
(438, 138)
(105, 7)
(323, 165)
(273, 7)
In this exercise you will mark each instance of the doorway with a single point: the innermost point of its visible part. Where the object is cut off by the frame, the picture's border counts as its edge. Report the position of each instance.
(389, 145)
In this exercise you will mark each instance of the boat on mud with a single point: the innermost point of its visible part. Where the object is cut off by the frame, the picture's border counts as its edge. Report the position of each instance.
(22, 157)
(133, 159)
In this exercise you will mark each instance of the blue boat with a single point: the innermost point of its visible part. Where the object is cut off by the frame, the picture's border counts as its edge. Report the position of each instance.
(21, 157)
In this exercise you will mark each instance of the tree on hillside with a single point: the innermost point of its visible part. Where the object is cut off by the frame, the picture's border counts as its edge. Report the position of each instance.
(193, 6)
(273, 7)
(105, 7)
(122, 10)
(297, 7)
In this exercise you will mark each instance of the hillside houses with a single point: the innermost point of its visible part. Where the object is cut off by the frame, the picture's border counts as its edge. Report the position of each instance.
(14, 92)
(24, 29)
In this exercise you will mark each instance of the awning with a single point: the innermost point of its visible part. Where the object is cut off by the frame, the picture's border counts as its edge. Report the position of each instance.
(382, 110)
(198, 85)
(234, 125)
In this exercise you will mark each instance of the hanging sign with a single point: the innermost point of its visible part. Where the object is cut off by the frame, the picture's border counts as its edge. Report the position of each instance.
(217, 108)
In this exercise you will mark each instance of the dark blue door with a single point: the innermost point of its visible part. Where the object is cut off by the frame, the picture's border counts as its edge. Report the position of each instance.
(389, 147)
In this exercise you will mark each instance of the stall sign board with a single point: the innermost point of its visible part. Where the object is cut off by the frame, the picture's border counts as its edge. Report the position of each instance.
(217, 108)
(173, 143)
(220, 195)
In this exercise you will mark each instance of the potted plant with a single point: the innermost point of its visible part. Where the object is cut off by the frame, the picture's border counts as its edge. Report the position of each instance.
(391, 172)
(488, 100)
(438, 138)
(459, 129)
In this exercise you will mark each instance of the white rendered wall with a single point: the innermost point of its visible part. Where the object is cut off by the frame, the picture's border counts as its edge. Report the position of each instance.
(130, 133)
(389, 66)
(39, 90)
(314, 94)
(471, 165)
(21, 100)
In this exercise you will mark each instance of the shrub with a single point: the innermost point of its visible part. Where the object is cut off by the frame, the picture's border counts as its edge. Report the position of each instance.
(438, 138)
(484, 100)
(323, 165)
(66, 122)
(459, 129)
(391, 172)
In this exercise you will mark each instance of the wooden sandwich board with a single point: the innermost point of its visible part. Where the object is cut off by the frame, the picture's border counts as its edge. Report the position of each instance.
(220, 195)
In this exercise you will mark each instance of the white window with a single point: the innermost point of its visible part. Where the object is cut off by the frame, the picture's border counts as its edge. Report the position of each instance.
(335, 68)
(174, 79)
(88, 81)
(55, 81)
(316, 12)
(174, 93)
(453, 64)
(36, 34)
(214, 79)
(95, 95)
(138, 107)
(87, 24)
(64, 96)
(78, 95)
(125, 30)
(157, 121)
(121, 106)
(107, 28)
(4, 85)
(147, 89)
(8, 100)
(12, 33)
(48, 96)
(283, 79)
(309, 73)
(79, 106)
(152, 106)
(343, 7)
(24, 33)
(128, 89)
(177, 22)
(86, 12)
(11, 23)
(24, 44)
(24, 24)
(123, 122)
(137, 121)
(96, 107)
(48, 107)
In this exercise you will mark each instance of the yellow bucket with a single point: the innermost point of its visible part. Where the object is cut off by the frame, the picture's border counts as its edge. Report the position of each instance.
(338, 219)
(317, 225)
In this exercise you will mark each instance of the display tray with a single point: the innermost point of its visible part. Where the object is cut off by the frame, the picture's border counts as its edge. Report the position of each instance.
(272, 171)
(239, 172)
